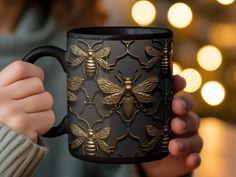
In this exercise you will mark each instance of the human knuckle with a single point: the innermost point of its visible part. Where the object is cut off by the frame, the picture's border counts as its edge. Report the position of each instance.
(51, 118)
(3, 96)
(38, 84)
(19, 67)
(200, 141)
(6, 110)
(47, 123)
(40, 72)
(48, 98)
(195, 120)
(190, 101)
(18, 123)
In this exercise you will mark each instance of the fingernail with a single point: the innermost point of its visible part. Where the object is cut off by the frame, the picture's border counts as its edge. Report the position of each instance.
(197, 160)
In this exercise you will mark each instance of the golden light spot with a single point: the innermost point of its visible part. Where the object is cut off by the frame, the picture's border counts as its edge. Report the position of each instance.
(143, 12)
(213, 93)
(177, 69)
(193, 79)
(209, 57)
(180, 15)
(225, 2)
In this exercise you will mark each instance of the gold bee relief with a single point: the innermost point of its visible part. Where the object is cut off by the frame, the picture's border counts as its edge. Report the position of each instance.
(92, 141)
(128, 93)
(165, 138)
(161, 56)
(73, 84)
(90, 59)
(156, 140)
(155, 55)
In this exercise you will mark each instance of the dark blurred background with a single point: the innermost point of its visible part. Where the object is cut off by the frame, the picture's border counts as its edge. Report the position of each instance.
(204, 46)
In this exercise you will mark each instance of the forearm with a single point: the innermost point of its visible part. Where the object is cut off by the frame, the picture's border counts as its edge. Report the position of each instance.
(19, 156)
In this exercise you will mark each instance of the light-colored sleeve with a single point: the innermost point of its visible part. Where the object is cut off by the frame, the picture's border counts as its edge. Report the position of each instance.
(19, 156)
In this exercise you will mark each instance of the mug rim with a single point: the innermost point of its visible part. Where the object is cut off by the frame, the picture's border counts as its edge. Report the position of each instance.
(120, 33)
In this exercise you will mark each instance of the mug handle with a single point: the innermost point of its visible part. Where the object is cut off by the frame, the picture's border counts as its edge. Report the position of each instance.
(58, 54)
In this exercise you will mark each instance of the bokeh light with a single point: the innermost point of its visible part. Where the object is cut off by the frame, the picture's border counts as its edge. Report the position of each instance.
(177, 69)
(193, 79)
(213, 93)
(209, 57)
(180, 15)
(225, 2)
(143, 13)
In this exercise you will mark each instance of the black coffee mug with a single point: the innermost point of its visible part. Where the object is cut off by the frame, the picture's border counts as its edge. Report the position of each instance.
(119, 92)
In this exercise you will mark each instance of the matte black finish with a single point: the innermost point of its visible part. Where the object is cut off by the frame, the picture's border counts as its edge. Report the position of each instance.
(120, 33)
(52, 51)
(119, 93)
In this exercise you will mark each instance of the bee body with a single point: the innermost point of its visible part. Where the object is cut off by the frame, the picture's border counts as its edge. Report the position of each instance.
(90, 68)
(128, 100)
(165, 64)
(90, 147)
(90, 59)
(165, 139)
(128, 94)
(162, 57)
(128, 105)
(91, 140)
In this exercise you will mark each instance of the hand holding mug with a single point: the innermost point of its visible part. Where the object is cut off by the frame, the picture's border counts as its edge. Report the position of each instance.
(24, 105)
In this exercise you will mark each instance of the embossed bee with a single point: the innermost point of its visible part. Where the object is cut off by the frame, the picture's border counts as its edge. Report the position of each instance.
(127, 94)
(160, 54)
(156, 141)
(73, 84)
(165, 138)
(155, 54)
(166, 62)
(91, 140)
(91, 59)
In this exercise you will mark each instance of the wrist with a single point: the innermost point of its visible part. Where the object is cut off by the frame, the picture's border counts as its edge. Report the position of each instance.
(20, 128)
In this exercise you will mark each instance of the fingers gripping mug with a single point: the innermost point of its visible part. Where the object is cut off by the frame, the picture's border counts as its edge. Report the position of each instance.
(119, 92)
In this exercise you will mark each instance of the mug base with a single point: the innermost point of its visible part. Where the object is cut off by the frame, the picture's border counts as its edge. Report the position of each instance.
(119, 160)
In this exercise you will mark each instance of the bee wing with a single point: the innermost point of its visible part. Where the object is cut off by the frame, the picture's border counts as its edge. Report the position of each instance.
(76, 61)
(74, 83)
(77, 131)
(152, 62)
(113, 98)
(152, 144)
(152, 51)
(147, 85)
(103, 133)
(77, 51)
(152, 130)
(144, 97)
(71, 96)
(109, 87)
(103, 63)
(104, 146)
(104, 52)
(77, 142)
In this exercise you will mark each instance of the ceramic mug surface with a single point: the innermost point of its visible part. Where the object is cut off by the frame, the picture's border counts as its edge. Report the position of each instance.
(119, 92)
